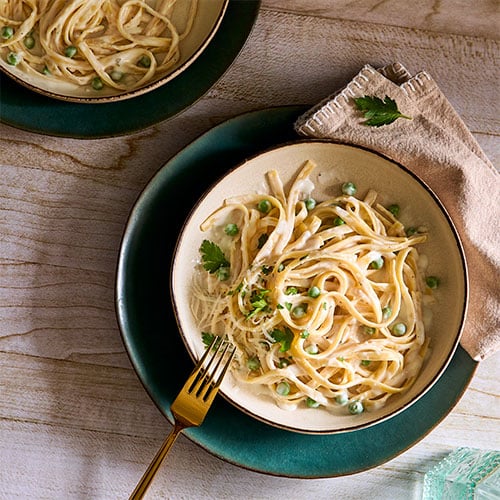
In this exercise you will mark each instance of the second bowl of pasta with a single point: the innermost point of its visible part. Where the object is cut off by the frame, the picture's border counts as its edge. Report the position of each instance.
(106, 50)
(336, 273)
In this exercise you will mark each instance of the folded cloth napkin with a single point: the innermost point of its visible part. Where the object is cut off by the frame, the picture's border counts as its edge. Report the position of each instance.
(437, 146)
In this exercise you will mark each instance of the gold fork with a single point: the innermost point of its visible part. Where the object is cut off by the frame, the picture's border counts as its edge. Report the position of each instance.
(192, 403)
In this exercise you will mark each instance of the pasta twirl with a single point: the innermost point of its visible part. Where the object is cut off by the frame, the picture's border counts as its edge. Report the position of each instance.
(122, 44)
(323, 300)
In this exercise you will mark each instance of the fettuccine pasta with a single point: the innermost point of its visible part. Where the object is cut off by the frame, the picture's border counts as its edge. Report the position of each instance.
(115, 43)
(323, 300)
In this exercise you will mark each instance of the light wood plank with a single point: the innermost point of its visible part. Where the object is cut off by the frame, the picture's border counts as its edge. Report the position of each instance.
(480, 18)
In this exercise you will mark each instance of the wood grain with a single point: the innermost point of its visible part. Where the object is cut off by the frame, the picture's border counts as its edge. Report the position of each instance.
(75, 422)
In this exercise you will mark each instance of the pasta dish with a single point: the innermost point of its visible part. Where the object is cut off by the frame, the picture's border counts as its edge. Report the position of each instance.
(121, 44)
(323, 300)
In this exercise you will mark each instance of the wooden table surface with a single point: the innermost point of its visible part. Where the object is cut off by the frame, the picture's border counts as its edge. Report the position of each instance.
(75, 422)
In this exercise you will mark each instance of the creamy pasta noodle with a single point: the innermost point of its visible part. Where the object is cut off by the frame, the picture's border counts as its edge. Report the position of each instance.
(322, 299)
(96, 43)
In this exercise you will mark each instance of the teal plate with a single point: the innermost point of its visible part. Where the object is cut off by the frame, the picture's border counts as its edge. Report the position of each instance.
(28, 110)
(154, 345)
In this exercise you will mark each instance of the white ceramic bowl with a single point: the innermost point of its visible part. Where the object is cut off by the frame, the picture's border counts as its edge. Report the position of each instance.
(336, 164)
(208, 18)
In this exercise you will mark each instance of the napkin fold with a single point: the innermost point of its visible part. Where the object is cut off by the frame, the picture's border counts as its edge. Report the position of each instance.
(437, 146)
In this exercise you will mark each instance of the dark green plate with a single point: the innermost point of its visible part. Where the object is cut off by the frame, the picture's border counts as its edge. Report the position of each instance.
(151, 338)
(27, 110)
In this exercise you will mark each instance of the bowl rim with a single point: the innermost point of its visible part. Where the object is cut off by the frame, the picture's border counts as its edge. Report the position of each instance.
(127, 94)
(453, 231)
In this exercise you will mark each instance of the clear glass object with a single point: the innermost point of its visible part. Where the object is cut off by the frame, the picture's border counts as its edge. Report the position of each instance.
(465, 474)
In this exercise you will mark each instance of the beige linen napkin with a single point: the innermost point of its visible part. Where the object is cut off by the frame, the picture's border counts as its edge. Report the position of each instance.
(437, 146)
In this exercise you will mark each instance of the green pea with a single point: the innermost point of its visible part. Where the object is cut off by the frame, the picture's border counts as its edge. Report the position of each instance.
(231, 229)
(144, 61)
(283, 388)
(310, 203)
(46, 70)
(394, 209)
(314, 292)
(399, 329)
(116, 75)
(369, 330)
(223, 273)
(356, 407)
(264, 206)
(341, 399)
(312, 349)
(365, 362)
(349, 188)
(97, 83)
(70, 51)
(29, 42)
(378, 263)
(338, 221)
(299, 311)
(386, 312)
(432, 282)
(253, 363)
(7, 32)
(13, 58)
(311, 403)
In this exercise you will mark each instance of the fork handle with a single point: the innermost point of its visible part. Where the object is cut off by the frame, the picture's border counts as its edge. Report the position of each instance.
(147, 477)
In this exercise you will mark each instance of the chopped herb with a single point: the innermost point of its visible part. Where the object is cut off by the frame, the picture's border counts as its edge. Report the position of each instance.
(208, 338)
(304, 334)
(266, 270)
(291, 290)
(378, 111)
(365, 362)
(338, 221)
(284, 337)
(284, 362)
(258, 302)
(262, 240)
(394, 209)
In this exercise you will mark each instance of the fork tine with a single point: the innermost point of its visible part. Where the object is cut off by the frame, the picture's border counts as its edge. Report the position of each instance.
(211, 383)
(206, 373)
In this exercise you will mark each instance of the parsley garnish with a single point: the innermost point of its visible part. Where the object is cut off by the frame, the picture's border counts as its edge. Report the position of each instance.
(284, 337)
(208, 338)
(258, 302)
(214, 260)
(379, 112)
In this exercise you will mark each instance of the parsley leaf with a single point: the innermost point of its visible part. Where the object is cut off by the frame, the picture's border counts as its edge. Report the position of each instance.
(258, 302)
(214, 260)
(284, 337)
(379, 112)
(208, 338)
